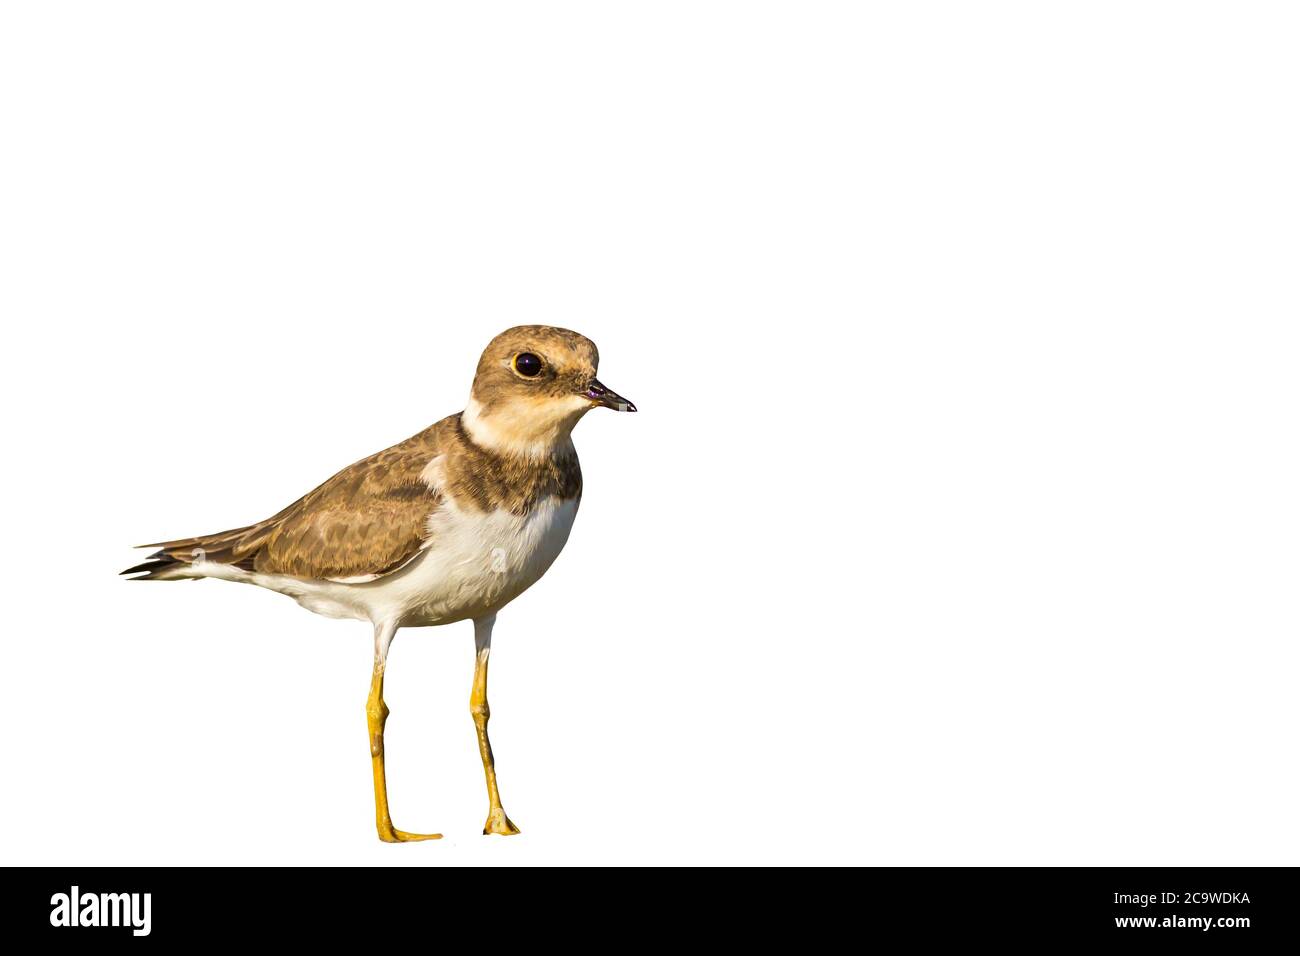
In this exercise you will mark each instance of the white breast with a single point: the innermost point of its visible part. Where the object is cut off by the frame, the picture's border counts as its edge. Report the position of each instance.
(474, 564)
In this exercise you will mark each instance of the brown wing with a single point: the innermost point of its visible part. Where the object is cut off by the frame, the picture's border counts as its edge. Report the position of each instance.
(368, 519)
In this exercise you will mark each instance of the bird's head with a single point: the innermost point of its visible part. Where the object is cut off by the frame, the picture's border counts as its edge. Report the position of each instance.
(533, 384)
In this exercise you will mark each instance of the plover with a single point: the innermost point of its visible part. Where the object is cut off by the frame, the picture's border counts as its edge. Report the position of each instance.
(450, 525)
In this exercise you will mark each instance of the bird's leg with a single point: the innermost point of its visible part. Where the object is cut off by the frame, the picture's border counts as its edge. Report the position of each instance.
(376, 717)
(497, 821)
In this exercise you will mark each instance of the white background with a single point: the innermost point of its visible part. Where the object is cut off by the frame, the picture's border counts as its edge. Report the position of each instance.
(959, 523)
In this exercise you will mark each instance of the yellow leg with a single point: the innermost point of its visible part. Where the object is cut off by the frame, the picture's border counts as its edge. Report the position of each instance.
(376, 717)
(497, 821)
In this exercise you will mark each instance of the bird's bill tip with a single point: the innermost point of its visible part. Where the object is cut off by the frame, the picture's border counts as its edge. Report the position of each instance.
(608, 398)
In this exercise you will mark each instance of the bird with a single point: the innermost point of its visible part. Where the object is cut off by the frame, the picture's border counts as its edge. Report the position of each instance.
(451, 524)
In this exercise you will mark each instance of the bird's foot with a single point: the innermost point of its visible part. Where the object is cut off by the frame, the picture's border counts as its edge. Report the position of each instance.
(499, 823)
(391, 835)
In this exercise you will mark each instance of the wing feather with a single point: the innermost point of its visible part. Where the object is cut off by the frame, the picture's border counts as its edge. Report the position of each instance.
(366, 521)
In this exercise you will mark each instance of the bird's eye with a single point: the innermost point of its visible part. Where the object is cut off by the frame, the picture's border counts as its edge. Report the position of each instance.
(528, 364)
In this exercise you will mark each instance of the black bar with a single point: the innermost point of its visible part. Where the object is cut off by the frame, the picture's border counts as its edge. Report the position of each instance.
(1044, 905)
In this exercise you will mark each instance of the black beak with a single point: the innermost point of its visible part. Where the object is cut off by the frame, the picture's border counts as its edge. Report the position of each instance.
(603, 396)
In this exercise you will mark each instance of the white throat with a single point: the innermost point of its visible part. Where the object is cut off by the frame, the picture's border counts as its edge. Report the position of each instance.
(527, 430)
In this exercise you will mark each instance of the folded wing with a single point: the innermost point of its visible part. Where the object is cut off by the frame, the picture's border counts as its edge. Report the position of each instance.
(366, 521)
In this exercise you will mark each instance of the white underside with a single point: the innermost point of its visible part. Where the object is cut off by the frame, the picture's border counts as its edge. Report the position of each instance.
(473, 565)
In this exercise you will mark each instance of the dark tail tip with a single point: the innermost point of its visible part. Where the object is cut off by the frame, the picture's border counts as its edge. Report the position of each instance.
(149, 570)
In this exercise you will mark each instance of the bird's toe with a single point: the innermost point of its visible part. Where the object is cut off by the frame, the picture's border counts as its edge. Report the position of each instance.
(401, 836)
(499, 823)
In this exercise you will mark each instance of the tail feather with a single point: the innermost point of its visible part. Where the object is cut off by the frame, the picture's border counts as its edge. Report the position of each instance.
(154, 568)
(237, 547)
(205, 541)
